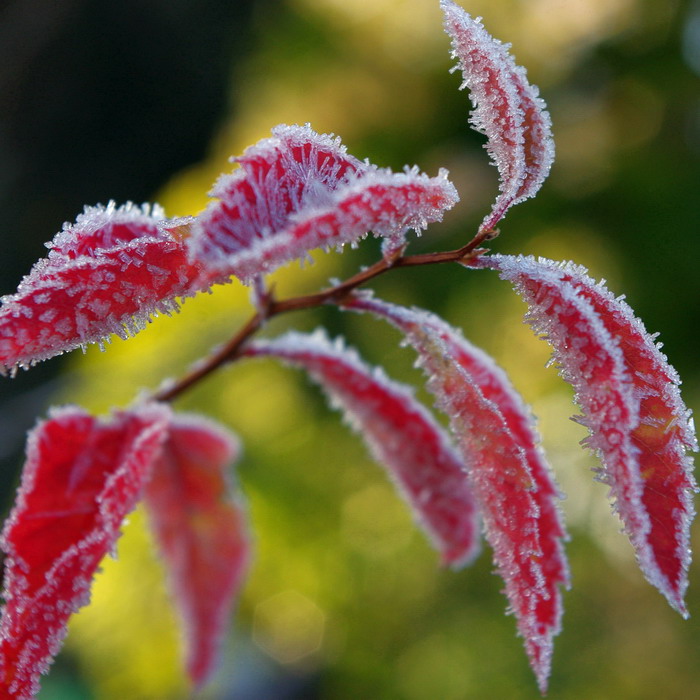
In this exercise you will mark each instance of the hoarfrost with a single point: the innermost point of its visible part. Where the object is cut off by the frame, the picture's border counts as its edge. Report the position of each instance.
(510, 477)
(507, 109)
(300, 190)
(70, 300)
(401, 435)
(100, 228)
(630, 396)
(201, 531)
(82, 476)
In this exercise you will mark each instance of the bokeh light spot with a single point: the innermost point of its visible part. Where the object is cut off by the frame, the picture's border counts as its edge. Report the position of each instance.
(289, 627)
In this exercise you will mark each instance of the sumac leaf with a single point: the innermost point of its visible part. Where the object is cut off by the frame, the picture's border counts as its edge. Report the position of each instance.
(81, 478)
(300, 190)
(201, 531)
(106, 274)
(509, 475)
(507, 109)
(401, 435)
(630, 397)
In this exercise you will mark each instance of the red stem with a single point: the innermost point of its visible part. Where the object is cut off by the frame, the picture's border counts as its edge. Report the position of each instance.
(231, 350)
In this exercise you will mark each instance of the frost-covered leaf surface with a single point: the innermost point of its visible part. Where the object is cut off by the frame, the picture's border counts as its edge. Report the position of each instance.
(202, 534)
(300, 190)
(507, 109)
(401, 435)
(81, 477)
(512, 482)
(101, 228)
(630, 397)
(106, 274)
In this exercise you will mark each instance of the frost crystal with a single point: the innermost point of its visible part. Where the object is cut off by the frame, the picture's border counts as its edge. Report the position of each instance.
(401, 435)
(101, 228)
(507, 469)
(106, 274)
(298, 191)
(201, 531)
(639, 426)
(81, 478)
(507, 109)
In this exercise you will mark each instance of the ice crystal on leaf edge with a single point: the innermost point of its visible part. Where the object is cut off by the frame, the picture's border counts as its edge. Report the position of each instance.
(639, 426)
(401, 435)
(83, 475)
(200, 525)
(106, 274)
(511, 480)
(299, 191)
(507, 109)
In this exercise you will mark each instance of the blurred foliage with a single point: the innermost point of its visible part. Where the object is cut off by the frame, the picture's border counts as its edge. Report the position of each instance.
(345, 599)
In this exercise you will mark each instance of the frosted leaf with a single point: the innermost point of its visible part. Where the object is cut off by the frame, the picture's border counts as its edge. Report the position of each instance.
(100, 227)
(298, 191)
(201, 531)
(630, 396)
(108, 273)
(510, 477)
(401, 435)
(82, 476)
(507, 109)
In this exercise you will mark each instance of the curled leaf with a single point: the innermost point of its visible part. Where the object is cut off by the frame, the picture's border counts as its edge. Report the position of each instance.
(630, 397)
(201, 531)
(81, 478)
(511, 480)
(507, 109)
(300, 190)
(106, 274)
(401, 435)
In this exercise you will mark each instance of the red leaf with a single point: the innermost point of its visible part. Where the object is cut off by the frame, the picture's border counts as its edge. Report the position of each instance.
(201, 531)
(506, 108)
(81, 478)
(629, 394)
(106, 274)
(101, 228)
(509, 475)
(300, 190)
(277, 176)
(401, 435)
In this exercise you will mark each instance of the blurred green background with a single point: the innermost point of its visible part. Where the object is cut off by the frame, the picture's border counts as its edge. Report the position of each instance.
(345, 599)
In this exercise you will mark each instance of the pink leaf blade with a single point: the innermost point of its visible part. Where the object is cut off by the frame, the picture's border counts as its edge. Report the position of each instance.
(276, 177)
(644, 447)
(81, 478)
(298, 191)
(539, 142)
(507, 109)
(202, 534)
(509, 475)
(662, 438)
(643, 434)
(65, 303)
(385, 203)
(107, 273)
(401, 435)
(100, 228)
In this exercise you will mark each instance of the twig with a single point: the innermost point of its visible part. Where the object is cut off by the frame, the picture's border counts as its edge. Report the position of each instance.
(230, 351)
